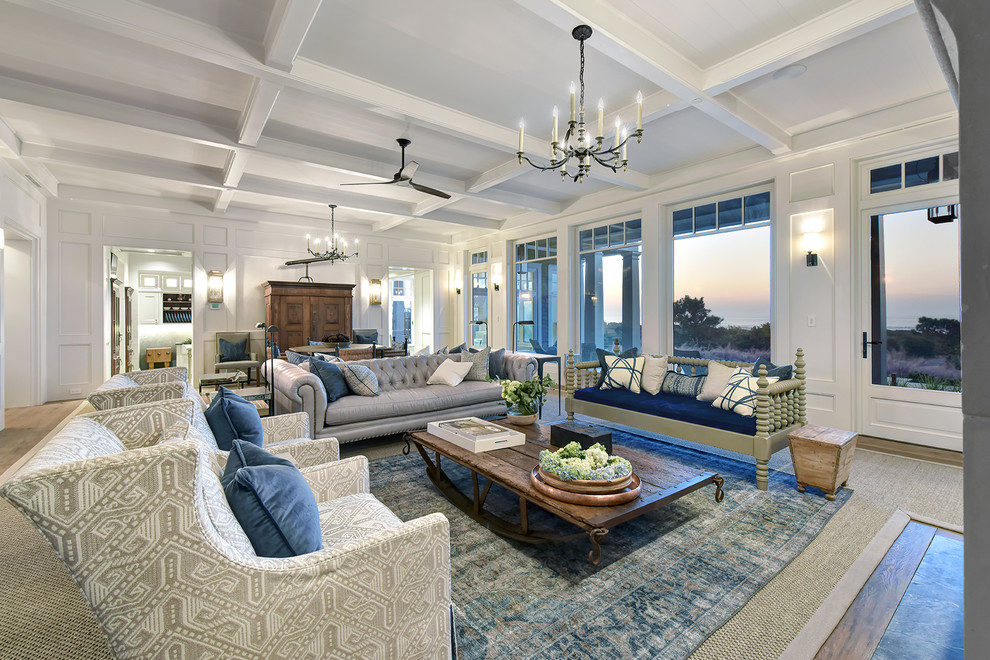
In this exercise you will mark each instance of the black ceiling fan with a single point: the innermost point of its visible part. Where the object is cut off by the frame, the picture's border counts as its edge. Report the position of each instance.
(404, 175)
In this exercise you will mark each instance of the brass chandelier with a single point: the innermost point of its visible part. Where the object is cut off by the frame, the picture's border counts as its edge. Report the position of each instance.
(578, 145)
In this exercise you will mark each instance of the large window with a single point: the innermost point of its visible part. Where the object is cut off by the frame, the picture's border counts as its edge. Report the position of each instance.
(536, 296)
(479, 308)
(722, 287)
(609, 279)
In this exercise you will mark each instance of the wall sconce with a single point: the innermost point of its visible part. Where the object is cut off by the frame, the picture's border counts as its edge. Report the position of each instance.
(375, 294)
(496, 276)
(811, 242)
(214, 286)
(496, 286)
(458, 290)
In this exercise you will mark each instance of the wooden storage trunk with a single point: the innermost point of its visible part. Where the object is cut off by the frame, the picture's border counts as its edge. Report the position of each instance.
(822, 457)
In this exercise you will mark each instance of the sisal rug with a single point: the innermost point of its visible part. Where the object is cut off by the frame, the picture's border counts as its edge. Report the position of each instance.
(666, 581)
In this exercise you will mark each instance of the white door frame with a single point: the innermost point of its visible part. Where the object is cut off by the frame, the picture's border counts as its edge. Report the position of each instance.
(14, 232)
(923, 417)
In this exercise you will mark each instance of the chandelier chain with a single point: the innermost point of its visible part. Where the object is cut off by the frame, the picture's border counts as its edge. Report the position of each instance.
(581, 76)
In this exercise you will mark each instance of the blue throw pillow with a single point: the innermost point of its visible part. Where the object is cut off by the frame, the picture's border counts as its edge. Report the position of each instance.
(628, 353)
(458, 348)
(233, 351)
(370, 338)
(496, 364)
(675, 383)
(272, 502)
(295, 358)
(231, 416)
(782, 372)
(310, 342)
(332, 378)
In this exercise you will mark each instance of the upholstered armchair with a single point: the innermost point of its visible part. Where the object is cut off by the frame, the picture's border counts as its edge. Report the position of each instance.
(149, 539)
(234, 353)
(136, 387)
(146, 424)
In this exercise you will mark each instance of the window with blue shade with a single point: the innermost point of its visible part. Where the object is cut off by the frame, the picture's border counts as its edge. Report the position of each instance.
(730, 212)
(757, 207)
(705, 217)
(885, 178)
(921, 171)
(683, 222)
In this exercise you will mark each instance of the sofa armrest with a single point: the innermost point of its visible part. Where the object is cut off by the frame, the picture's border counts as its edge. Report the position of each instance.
(131, 396)
(519, 366)
(331, 481)
(164, 375)
(278, 428)
(306, 452)
(297, 390)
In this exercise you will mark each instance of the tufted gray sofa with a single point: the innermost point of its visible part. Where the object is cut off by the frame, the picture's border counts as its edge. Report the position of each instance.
(404, 402)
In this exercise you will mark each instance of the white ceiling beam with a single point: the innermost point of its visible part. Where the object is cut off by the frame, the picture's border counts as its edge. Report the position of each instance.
(287, 28)
(223, 199)
(823, 32)
(433, 203)
(390, 223)
(233, 169)
(11, 148)
(257, 109)
(630, 44)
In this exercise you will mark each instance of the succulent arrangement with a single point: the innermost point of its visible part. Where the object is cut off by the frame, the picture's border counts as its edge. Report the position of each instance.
(592, 464)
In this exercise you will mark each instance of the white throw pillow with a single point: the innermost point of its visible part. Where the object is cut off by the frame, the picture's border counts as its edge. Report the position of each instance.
(423, 351)
(716, 380)
(450, 373)
(623, 373)
(739, 395)
(653, 372)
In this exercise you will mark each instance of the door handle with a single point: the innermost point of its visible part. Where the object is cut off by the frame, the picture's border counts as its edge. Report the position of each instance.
(867, 344)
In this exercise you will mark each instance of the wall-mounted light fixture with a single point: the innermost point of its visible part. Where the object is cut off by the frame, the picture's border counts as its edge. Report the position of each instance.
(375, 292)
(811, 242)
(496, 276)
(214, 286)
(458, 290)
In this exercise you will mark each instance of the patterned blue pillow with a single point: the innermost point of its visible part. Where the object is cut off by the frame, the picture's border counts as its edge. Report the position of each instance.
(782, 372)
(675, 383)
(624, 373)
(295, 358)
(739, 396)
(360, 379)
(628, 353)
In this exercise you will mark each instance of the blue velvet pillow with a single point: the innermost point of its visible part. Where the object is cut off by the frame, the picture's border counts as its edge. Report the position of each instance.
(332, 378)
(496, 364)
(233, 351)
(782, 372)
(370, 338)
(675, 383)
(231, 416)
(628, 353)
(272, 502)
(458, 348)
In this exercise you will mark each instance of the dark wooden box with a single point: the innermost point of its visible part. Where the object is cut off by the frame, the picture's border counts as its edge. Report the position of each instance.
(585, 434)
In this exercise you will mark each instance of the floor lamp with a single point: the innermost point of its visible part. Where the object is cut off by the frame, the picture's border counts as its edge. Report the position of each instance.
(270, 331)
(514, 331)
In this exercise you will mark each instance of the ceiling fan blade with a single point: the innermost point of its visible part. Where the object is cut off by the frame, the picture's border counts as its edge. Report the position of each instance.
(428, 190)
(371, 183)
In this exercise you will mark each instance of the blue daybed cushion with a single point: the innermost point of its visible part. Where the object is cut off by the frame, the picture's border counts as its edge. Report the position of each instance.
(671, 406)
(231, 416)
(782, 372)
(272, 501)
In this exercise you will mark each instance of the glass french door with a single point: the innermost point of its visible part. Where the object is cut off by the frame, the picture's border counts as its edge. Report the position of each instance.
(909, 348)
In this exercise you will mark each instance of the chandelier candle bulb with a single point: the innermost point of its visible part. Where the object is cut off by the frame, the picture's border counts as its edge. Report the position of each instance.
(625, 134)
(618, 128)
(307, 241)
(522, 126)
(553, 138)
(601, 119)
(573, 90)
(639, 112)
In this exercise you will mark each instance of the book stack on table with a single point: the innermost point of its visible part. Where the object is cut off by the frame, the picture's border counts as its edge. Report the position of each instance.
(476, 435)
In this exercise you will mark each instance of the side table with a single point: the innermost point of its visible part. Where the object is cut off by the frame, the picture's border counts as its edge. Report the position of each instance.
(822, 457)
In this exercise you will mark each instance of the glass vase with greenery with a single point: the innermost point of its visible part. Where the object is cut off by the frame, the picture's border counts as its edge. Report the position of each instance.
(526, 397)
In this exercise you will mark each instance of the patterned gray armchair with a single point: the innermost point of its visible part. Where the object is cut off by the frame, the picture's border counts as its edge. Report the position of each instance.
(136, 387)
(149, 539)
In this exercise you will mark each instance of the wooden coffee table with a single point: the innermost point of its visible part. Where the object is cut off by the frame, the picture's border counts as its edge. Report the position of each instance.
(663, 481)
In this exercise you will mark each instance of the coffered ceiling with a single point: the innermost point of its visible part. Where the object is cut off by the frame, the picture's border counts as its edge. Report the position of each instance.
(256, 108)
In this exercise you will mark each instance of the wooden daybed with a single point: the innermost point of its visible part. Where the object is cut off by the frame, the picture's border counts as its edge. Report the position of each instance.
(780, 408)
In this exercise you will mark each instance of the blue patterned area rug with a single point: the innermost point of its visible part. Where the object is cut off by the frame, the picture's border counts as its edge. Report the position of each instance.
(666, 581)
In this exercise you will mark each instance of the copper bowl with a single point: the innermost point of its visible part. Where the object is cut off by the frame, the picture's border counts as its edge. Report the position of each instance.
(628, 494)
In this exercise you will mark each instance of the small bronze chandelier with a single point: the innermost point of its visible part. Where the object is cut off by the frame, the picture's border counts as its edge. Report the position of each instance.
(336, 249)
(578, 143)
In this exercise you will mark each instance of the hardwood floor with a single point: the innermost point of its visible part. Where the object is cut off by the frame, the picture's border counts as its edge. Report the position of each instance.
(26, 427)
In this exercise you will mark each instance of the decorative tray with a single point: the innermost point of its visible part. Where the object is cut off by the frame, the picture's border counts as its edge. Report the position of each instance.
(609, 497)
